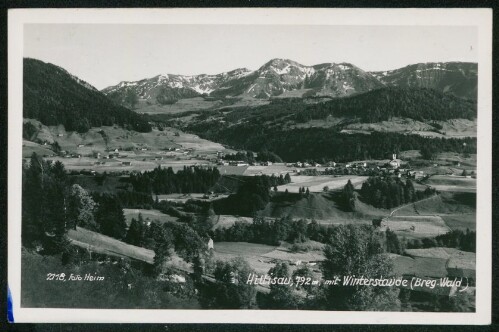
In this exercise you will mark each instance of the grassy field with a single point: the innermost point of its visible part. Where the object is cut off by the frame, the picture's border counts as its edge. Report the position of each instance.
(419, 266)
(452, 183)
(232, 170)
(275, 169)
(454, 157)
(225, 251)
(243, 248)
(445, 203)
(322, 208)
(116, 165)
(317, 183)
(283, 254)
(183, 105)
(263, 257)
(424, 226)
(39, 149)
(183, 198)
(226, 221)
(460, 221)
(99, 243)
(148, 215)
(457, 210)
(458, 263)
(440, 252)
(455, 128)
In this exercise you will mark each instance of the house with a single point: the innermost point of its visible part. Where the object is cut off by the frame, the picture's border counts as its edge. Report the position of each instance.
(81, 145)
(126, 163)
(60, 135)
(210, 244)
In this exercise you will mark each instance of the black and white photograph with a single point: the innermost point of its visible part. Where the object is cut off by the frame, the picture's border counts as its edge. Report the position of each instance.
(252, 166)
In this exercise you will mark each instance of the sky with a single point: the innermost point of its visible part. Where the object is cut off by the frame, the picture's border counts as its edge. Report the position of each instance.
(106, 54)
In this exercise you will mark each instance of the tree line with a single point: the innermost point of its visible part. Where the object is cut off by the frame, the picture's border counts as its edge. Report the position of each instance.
(250, 158)
(252, 195)
(51, 205)
(273, 231)
(387, 192)
(166, 181)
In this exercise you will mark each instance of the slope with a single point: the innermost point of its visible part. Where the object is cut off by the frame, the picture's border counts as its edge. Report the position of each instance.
(457, 78)
(53, 96)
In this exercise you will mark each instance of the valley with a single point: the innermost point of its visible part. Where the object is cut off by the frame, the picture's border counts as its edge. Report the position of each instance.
(289, 169)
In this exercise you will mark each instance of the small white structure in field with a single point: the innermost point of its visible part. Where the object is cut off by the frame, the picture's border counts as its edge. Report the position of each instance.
(395, 163)
(210, 244)
(177, 278)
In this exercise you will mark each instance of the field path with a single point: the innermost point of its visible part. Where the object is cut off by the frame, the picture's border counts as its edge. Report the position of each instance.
(403, 206)
(417, 225)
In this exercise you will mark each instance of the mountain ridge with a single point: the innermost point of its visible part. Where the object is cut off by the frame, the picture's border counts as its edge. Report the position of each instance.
(278, 76)
(458, 78)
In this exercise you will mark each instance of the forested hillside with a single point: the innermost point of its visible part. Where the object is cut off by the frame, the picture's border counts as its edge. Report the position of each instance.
(53, 96)
(328, 144)
(380, 105)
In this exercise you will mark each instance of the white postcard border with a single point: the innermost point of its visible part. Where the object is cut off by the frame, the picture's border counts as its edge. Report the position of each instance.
(482, 18)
